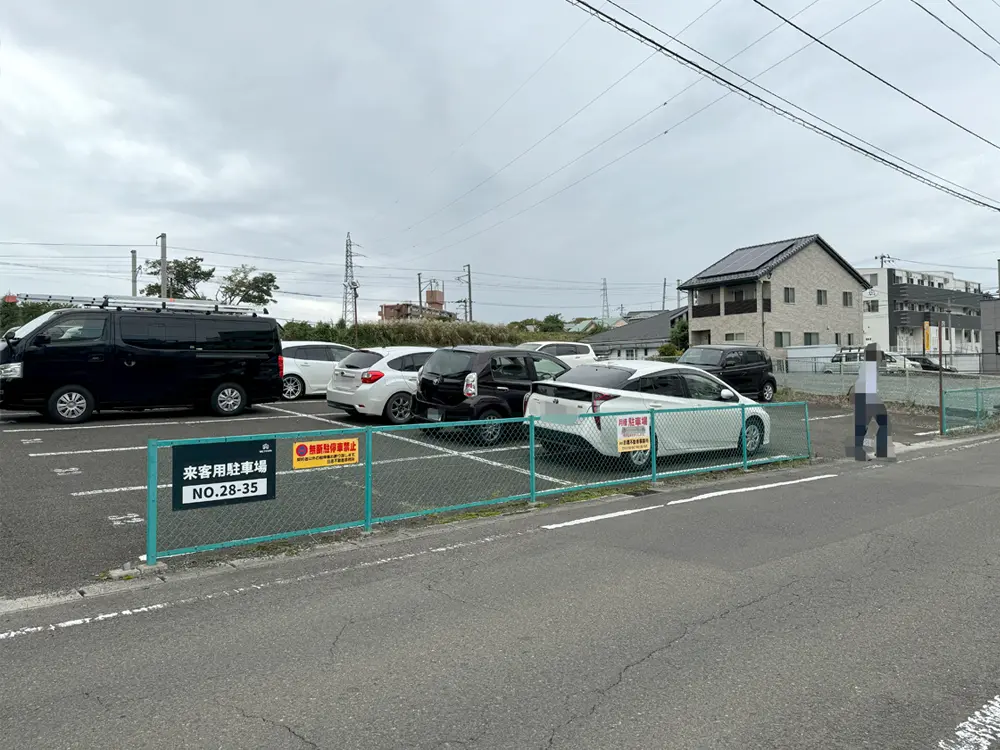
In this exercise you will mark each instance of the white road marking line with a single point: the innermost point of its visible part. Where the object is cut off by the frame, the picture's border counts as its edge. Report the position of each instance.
(90, 450)
(601, 517)
(30, 441)
(128, 518)
(738, 490)
(148, 424)
(981, 731)
(67, 472)
(65, 624)
(922, 434)
(470, 455)
(831, 416)
(283, 472)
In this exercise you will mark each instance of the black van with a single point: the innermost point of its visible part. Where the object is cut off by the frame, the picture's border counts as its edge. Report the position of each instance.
(71, 362)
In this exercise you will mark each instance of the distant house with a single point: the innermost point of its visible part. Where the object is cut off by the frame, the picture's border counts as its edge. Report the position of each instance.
(633, 315)
(816, 297)
(637, 340)
(591, 324)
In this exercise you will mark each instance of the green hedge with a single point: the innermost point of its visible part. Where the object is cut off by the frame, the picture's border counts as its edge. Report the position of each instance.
(416, 333)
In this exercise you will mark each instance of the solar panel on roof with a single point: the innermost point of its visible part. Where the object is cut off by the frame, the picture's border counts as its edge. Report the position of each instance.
(746, 259)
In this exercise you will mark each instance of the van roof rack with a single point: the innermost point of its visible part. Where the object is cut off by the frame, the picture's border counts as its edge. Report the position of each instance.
(144, 303)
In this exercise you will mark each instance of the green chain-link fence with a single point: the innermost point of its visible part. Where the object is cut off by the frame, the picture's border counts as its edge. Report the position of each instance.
(968, 408)
(206, 494)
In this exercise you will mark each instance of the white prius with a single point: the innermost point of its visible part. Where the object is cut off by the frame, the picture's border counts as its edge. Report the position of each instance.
(578, 410)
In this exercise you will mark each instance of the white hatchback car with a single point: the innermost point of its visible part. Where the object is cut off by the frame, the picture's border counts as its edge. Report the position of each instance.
(604, 388)
(379, 381)
(308, 366)
(571, 353)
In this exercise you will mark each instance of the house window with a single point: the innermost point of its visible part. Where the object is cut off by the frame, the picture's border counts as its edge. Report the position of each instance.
(947, 334)
(630, 354)
(848, 299)
(736, 337)
(821, 296)
(850, 339)
(873, 279)
(738, 295)
(975, 335)
(810, 339)
(836, 339)
(782, 339)
(789, 295)
(871, 305)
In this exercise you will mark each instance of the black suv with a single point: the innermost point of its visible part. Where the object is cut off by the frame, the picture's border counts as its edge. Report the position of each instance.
(465, 383)
(72, 362)
(745, 368)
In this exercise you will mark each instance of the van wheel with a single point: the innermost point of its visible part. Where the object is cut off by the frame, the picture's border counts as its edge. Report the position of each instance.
(399, 408)
(71, 404)
(229, 399)
(755, 437)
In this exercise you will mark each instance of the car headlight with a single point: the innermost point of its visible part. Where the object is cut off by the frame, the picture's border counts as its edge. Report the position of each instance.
(12, 370)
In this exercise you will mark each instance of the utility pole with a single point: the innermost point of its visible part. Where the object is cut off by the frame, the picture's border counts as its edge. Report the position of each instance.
(951, 335)
(678, 292)
(663, 302)
(350, 285)
(164, 287)
(468, 297)
(940, 381)
(882, 259)
(998, 271)
(605, 307)
(420, 291)
(135, 276)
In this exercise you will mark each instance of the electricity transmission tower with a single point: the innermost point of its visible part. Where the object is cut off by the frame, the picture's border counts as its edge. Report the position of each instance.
(605, 307)
(350, 286)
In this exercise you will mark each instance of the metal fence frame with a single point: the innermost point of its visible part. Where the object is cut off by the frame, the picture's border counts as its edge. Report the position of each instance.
(368, 520)
(981, 412)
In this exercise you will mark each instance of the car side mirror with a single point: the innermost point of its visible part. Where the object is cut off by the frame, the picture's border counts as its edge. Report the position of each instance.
(9, 334)
(727, 395)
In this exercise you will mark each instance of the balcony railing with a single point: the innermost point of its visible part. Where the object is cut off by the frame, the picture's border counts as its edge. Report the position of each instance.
(742, 307)
(705, 311)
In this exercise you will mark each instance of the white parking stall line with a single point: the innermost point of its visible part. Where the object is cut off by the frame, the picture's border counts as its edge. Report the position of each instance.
(89, 450)
(470, 455)
(126, 520)
(981, 731)
(230, 420)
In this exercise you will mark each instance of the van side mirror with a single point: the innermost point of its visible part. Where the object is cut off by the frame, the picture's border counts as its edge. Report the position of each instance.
(9, 334)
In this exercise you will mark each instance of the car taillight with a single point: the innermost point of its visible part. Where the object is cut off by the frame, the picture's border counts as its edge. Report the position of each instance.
(596, 400)
(371, 376)
(281, 366)
(471, 387)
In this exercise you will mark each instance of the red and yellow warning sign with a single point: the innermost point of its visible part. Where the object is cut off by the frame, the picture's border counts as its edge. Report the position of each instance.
(325, 453)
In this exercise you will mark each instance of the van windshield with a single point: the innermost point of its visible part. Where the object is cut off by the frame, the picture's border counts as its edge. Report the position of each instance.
(33, 325)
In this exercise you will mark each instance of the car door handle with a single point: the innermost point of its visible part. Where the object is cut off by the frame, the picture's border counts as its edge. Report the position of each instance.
(96, 358)
(502, 388)
(130, 363)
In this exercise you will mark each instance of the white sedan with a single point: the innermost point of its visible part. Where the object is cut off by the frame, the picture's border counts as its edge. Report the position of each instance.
(379, 381)
(308, 366)
(577, 409)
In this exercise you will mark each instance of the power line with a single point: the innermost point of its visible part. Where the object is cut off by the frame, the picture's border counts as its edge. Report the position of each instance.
(862, 68)
(548, 135)
(973, 20)
(955, 31)
(630, 31)
(503, 104)
(629, 126)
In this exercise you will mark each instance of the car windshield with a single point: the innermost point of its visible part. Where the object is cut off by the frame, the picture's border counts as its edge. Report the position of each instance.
(696, 356)
(360, 360)
(449, 363)
(597, 375)
(531, 347)
(33, 325)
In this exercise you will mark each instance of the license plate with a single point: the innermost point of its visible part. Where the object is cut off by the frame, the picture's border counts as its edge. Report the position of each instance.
(434, 415)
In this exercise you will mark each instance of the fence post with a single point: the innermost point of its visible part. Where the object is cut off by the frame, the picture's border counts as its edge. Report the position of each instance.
(532, 490)
(652, 444)
(979, 407)
(368, 479)
(809, 440)
(944, 412)
(152, 451)
(743, 432)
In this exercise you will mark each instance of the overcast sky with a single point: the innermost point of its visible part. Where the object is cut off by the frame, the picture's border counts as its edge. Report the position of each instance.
(263, 132)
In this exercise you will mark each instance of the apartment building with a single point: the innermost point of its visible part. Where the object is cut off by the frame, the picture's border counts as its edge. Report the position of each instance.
(795, 292)
(901, 300)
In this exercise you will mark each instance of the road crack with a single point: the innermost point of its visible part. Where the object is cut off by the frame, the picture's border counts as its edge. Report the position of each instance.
(274, 723)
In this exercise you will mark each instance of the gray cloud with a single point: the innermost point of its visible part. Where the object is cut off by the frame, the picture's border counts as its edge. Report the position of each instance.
(271, 130)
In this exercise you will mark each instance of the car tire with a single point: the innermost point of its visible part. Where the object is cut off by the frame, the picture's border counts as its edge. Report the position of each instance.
(487, 434)
(767, 391)
(70, 404)
(292, 388)
(754, 437)
(229, 400)
(398, 408)
(637, 460)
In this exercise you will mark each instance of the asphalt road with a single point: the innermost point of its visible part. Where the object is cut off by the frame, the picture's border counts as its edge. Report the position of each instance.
(853, 608)
(73, 499)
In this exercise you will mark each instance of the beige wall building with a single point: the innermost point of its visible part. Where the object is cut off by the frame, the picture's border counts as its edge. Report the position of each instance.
(796, 292)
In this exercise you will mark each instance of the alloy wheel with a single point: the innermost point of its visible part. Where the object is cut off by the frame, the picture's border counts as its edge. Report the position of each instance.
(291, 388)
(400, 408)
(229, 399)
(71, 405)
